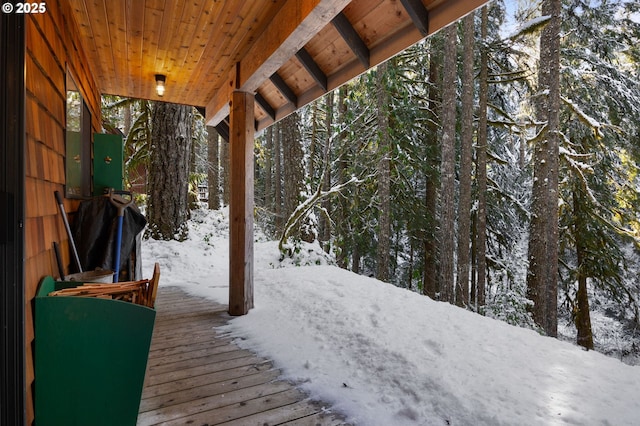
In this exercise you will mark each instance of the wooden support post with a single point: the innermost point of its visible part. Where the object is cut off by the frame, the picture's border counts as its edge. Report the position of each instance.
(241, 137)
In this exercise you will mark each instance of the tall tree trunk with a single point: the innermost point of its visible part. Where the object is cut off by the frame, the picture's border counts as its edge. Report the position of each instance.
(481, 168)
(192, 156)
(542, 276)
(384, 176)
(473, 287)
(551, 34)
(466, 142)
(355, 259)
(293, 169)
(193, 195)
(411, 265)
(292, 163)
(126, 128)
(277, 159)
(325, 222)
(224, 165)
(313, 142)
(341, 213)
(268, 169)
(447, 165)
(582, 316)
(213, 168)
(430, 277)
(167, 211)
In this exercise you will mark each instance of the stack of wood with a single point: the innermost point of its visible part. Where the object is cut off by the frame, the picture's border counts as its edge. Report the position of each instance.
(142, 292)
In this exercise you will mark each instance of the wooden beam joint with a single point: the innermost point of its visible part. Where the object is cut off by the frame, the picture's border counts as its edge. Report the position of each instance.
(264, 104)
(312, 67)
(223, 129)
(352, 38)
(283, 88)
(418, 14)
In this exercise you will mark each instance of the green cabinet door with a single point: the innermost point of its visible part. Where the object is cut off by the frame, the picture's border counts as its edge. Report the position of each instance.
(108, 163)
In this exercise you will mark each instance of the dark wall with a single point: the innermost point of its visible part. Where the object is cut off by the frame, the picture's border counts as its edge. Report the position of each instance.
(12, 340)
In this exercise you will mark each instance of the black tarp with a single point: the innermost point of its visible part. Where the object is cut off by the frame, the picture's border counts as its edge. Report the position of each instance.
(94, 230)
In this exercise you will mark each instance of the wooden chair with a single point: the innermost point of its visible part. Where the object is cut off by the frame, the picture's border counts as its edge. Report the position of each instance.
(153, 286)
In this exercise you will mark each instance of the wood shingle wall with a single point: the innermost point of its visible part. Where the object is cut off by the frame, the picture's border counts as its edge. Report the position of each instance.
(52, 47)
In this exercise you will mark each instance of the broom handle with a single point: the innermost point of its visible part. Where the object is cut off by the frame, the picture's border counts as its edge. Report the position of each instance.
(66, 226)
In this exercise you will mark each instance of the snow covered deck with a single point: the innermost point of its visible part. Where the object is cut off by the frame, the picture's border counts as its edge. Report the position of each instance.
(197, 375)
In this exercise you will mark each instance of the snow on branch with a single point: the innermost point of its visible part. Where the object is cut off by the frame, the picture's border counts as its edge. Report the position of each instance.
(576, 165)
(591, 122)
(305, 207)
(539, 135)
(570, 153)
(530, 26)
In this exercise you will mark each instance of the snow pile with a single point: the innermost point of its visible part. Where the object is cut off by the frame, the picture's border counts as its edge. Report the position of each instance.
(387, 356)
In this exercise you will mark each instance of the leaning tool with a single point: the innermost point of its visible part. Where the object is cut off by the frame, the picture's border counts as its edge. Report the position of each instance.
(121, 203)
(66, 226)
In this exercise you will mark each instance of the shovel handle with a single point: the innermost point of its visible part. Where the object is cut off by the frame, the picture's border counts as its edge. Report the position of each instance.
(121, 200)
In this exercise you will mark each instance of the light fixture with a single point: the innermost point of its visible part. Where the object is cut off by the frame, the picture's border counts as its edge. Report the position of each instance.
(160, 80)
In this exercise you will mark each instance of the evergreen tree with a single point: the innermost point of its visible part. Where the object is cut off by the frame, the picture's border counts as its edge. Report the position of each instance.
(542, 277)
(327, 175)
(598, 154)
(383, 175)
(466, 143)
(446, 234)
(481, 168)
(430, 280)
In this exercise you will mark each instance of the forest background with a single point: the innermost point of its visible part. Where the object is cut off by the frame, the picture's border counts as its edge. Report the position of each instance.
(493, 165)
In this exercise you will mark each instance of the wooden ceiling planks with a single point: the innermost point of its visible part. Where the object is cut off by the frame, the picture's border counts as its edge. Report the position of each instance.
(169, 36)
(199, 44)
(204, 71)
(193, 43)
(151, 30)
(330, 50)
(135, 14)
(97, 49)
(117, 26)
(373, 27)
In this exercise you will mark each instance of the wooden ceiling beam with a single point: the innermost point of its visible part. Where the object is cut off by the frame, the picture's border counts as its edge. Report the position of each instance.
(439, 16)
(283, 88)
(418, 14)
(223, 129)
(312, 67)
(262, 102)
(296, 23)
(351, 36)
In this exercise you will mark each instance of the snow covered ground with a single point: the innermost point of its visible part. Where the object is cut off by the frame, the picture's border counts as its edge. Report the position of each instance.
(386, 356)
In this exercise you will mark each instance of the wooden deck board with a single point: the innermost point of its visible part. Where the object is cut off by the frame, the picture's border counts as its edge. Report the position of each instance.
(192, 382)
(197, 375)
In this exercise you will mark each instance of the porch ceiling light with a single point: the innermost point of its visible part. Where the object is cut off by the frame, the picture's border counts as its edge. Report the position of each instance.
(160, 80)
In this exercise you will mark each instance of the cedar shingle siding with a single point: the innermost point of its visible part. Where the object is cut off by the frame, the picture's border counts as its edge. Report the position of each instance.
(52, 47)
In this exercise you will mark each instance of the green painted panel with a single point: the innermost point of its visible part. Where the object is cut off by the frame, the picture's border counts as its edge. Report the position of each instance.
(90, 358)
(108, 165)
(73, 164)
